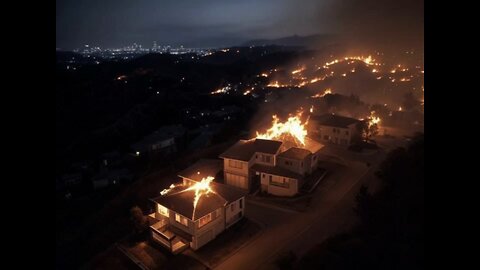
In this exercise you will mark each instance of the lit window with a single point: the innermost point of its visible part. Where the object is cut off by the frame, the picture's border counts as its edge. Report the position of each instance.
(162, 210)
(181, 219)
(204, 220)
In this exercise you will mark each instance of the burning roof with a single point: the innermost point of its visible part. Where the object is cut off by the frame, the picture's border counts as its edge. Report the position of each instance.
(180, 199)
(293, 128)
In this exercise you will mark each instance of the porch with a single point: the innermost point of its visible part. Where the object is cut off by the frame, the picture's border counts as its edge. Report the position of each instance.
(168, 236)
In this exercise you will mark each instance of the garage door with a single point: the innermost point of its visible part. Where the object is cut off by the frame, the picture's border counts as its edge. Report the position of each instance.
(237, 180)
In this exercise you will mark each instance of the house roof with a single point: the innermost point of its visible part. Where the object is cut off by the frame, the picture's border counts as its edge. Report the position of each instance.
(312, 145)
(244, 149)
(276, 170)
(202, 168)
(334, 120)
(181, 200)
(295, 153)
(267, 146)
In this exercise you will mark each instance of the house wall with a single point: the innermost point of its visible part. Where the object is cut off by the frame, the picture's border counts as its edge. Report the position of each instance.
(289, 189)
(235, 213)
(336, 135)
(261, 158)
(302, 167)
(208, 231)
(190, 229)
(238, 177)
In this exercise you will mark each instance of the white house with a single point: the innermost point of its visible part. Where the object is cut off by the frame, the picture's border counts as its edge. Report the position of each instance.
(334, 129)
(177, 224)
(277, 167)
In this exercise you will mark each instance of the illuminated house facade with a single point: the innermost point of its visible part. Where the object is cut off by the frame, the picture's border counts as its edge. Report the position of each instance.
(334, 129)
(178, 224)
(277, 167)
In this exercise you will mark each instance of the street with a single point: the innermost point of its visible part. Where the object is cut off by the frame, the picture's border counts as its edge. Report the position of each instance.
(330, 212)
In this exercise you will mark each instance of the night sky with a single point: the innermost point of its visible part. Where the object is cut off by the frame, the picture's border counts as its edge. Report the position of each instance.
(214, 23)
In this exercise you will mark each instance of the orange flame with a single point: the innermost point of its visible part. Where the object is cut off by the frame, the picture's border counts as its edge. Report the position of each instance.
(326, 92)
(201, 188)
(372, 119)
(293, 127)
(165, 191)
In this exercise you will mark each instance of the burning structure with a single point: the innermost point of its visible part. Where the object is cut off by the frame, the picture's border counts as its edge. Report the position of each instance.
(278, 161)
(193, 213)
(335, 129)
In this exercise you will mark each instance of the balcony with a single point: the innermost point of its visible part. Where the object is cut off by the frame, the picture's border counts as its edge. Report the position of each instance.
(165, 235)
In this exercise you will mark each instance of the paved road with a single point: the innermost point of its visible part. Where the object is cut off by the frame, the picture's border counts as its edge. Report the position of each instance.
(330, 212)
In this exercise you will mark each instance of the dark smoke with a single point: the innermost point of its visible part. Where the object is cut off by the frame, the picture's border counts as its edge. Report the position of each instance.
(386, 25)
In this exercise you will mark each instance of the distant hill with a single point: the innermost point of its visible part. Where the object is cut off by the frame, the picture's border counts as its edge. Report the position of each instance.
(295, 41)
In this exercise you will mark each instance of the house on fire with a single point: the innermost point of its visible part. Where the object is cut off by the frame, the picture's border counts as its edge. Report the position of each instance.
(178, 223)
(279, 168)
(334, 129)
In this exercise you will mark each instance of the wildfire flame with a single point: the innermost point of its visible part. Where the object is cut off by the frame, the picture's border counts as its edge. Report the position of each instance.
(201, 188)
(293, 127)
(326, 92)
(165, 191)
(298, 70)
(372, 119)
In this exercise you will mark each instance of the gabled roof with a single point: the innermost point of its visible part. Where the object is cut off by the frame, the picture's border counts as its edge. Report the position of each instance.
(267, 146)
(181, 201)
(334, 120)
(276, 170)
(312, 145)
(295, 153)
(201, 169)
(244, 149)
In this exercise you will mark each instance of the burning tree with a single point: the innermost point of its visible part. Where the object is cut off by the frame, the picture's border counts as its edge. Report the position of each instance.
(370, 128)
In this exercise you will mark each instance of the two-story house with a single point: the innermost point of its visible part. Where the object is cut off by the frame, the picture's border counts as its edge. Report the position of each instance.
(239, 159)
(178, 223)
(279, 168)
(335, 129)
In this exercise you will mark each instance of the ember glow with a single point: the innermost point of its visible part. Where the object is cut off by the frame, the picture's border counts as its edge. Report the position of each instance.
(326, 92)
(201, 188)
(165, 191)
(298, 70)
(372, 119)
(292, 127)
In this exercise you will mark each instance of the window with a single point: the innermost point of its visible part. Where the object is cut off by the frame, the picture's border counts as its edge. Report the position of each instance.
(162, 210)
(218, 212)
(346, 132)
(235, 164)
(270, 177)
(325, 137)
(266, 158)
(314, 157)
(204, 220)
(301, 164)
(181, 219)
(232, 207)
(241, 203)
(263, 175)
